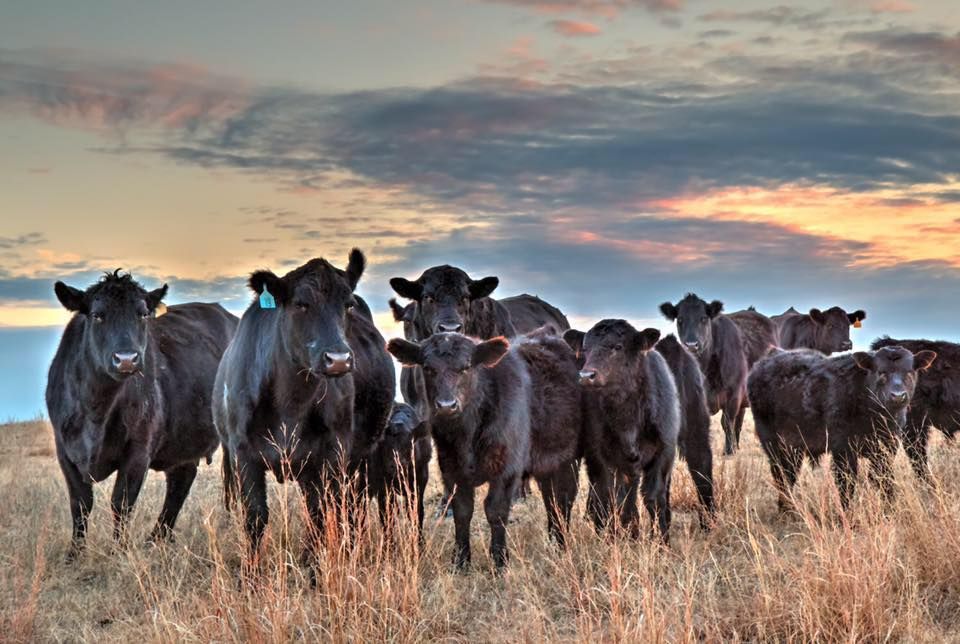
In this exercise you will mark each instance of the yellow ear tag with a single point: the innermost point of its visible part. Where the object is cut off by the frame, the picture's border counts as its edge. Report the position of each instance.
(162, 308)
(858, 324)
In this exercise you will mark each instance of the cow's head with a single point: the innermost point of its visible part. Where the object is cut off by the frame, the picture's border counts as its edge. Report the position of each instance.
(450, 362)
(892, 374)
(443, 295)
(405, 315)
(832, 328)
(609, 353)
(118, 313)
(403, 428)
(694, 318)
(313, 302)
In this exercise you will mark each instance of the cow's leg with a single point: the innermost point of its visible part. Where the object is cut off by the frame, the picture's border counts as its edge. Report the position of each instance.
(916, 435)
(496, 506)
(179, 481)
(80, 492)
(731, 438)
(231, 483)
(626, 504)
(881, 455)
(126, 489)
(559, 491)
(312, 486)
(600, 495)
(738, 423)
(253, 496)
(656, 492)
(845, 472)
(462, 516)
(700, 464)
(785, 464)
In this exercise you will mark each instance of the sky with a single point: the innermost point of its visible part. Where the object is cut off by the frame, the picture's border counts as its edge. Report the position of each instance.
(606, 155)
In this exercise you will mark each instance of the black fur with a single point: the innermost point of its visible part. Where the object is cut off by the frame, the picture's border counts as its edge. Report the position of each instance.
(826, 331)
(529, 312)
(275, 405)
(936, 402)
(805, 404)
(500, 412)
(631, 423)
(716, 342)
(155, 416)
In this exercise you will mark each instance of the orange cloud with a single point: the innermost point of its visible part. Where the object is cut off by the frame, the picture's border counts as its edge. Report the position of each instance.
(574, 29)
(892, 6)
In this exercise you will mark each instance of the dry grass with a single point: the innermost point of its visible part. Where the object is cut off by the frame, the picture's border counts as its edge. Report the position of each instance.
(872, 575)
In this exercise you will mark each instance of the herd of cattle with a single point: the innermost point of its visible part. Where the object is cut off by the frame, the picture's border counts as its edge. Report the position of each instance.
(303, 386)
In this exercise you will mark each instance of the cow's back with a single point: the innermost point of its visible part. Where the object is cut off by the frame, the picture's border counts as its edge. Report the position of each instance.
(488, 319)
(529, 312)
(758, 332)
(555, 405)
(191, 339)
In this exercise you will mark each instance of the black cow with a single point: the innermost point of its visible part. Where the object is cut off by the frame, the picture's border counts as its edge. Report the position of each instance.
(400, 464)
(529, 312)
(499, 413)
(631, 423)
(694, 435)
(716, 342)
(759, 333)
(805, 403)
(936, 401)
(129, 391)
(826, 331)
(304, 388)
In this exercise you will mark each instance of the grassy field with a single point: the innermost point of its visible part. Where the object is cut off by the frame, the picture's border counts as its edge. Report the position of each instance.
(872, 575)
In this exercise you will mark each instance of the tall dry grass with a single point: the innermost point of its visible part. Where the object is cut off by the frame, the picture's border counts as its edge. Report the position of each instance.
(874, 574)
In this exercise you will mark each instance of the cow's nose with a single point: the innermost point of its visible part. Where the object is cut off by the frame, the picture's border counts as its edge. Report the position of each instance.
(126, 361)
(693, 345)
(899, 397)
(846, 345)
(448, 406)
(449, 327)
(632, 456)
(337, 364)
(588, 375)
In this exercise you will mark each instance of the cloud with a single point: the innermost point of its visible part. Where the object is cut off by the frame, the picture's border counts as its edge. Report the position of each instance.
(574, 29)
(605, 8)
(717, 33)
(28, 239)
(779, 16)
(927, 44)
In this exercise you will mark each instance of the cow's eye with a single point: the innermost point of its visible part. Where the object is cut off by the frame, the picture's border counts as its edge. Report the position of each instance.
(351, 304)
(703, 319)
(98, 317)
(618, 347)
(428, 299)
(145, 315)
(301, 305)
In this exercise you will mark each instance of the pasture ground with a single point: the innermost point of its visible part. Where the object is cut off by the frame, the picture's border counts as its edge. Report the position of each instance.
(872, 575)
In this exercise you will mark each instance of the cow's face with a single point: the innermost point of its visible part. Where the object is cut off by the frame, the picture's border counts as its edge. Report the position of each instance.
(892, 374)
(118, 312)
(314, 301)
(832, 328)
(609, 353)
(403, 428)
(694, 319)
(443, 295)
(450, 362)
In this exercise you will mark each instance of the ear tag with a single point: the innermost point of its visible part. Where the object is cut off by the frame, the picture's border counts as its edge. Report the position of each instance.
(266, 300)
(159, 310)
(858, 324)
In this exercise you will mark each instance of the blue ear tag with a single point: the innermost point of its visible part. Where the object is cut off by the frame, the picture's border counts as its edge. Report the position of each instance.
(266, 300)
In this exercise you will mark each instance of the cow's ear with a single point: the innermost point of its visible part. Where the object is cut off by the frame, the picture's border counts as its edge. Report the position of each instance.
(669, 311)
(73, 299)
(355, 266)
(489, 352)
(399, 313)
(406, 288)
(864, 360)
(645, 340)
(156, 296)
(857, 316)
(406, 352)
(483, 287)
(817, 316)
(923, 359)
(714, 309)
(422, 430)
(267, 280)
(575, 339)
